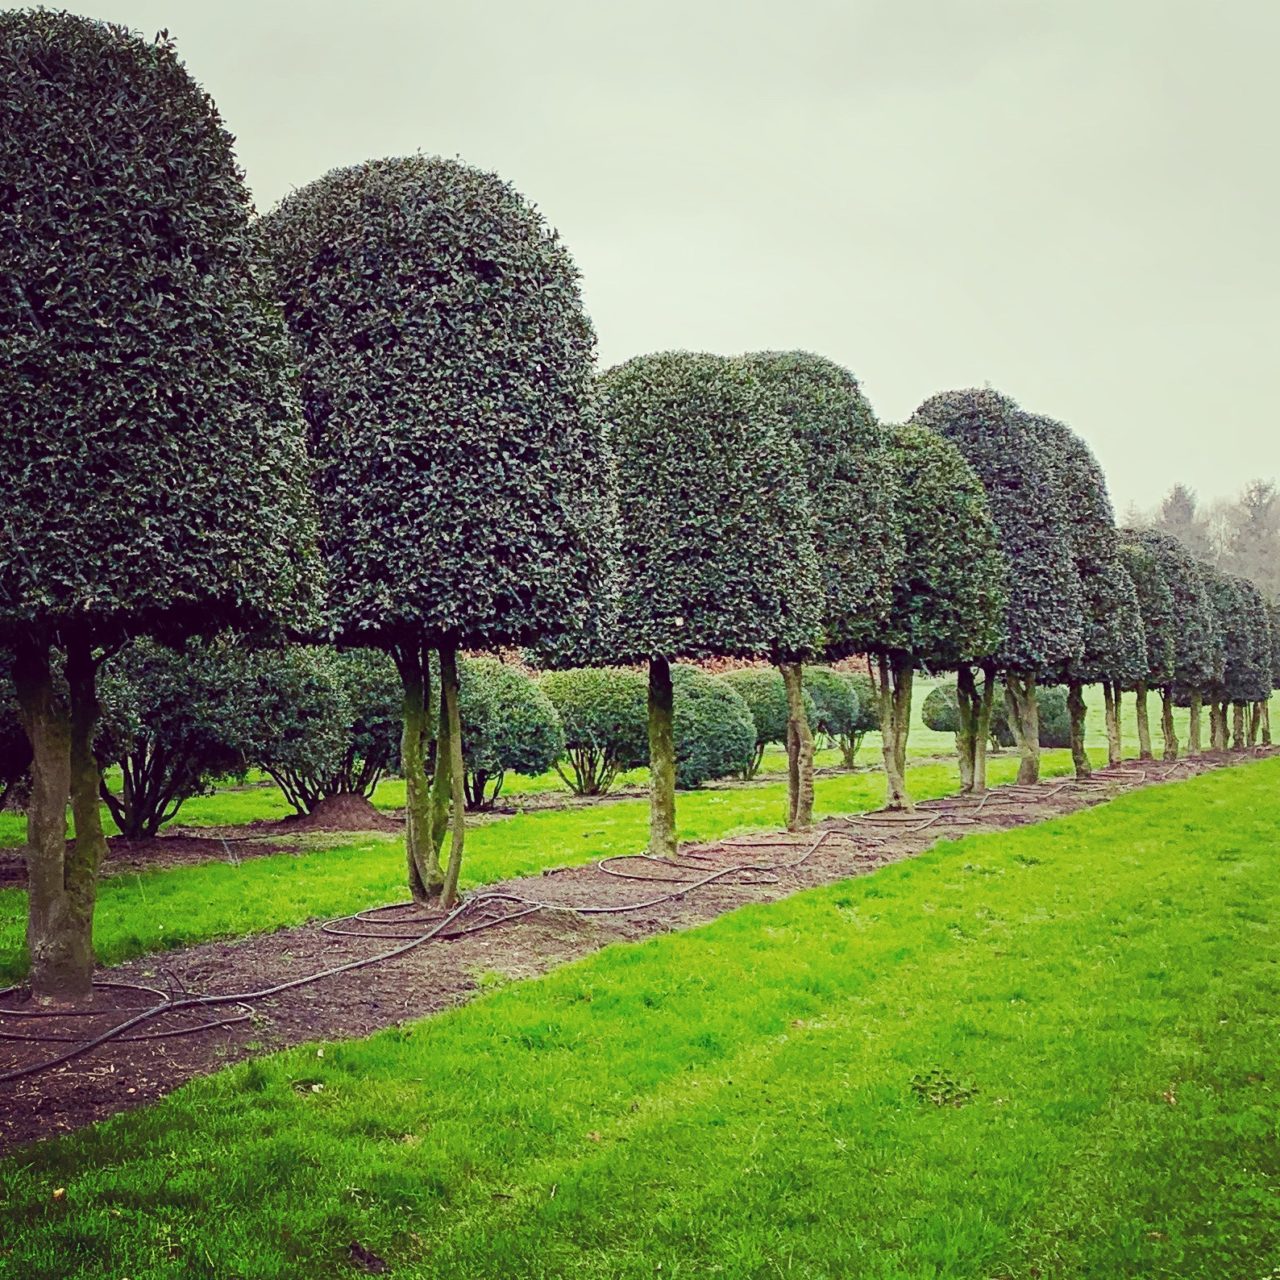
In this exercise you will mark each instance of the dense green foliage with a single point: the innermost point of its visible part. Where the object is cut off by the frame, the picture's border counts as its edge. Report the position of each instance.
(717, 554)
(1054, 717)
(941, 713)
(765, 694)
(837, 707)
(1273, 617)
(1246, 638)
(950, 588)
(445, 358)
(154, 477)
(509, 725)
(1096, 998)
(1043, 626)
(849, 476)
(1156, 607)
(603, 714)
(715, 736)
(174, 723)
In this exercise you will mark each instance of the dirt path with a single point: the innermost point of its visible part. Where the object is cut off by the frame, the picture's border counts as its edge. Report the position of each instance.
(628, 899)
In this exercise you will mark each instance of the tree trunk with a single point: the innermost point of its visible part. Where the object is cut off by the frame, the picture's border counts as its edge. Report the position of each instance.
(422, 852)
(799, 747)
(967, 712)
(1217, 726)
(59, 932)
(1144, 722)
(1166, 724)
(457, 771)
(1193, 729)
(983, 733)
(1266, 723)
(1075, 705)
(662, 761)
(895, 704)
(1025, 719)
(1255, 723)
(1111, 704)
(1237, 726)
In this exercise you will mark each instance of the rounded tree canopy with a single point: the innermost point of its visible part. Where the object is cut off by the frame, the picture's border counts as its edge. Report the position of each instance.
(765, 693)
(1155, 605)
(1242, 614)
(837, 707)
(950, 591)
(1043, 626)
(1273, 618)
(717, 553)
(464, 484)
(715, 736)
(1116, 643)
(509, 724)
(1197, 635)
(603, 709)
(154, 470)
(848, 472)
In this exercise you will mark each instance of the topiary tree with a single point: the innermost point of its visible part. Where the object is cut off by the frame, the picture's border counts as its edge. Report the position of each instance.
(1114, 649)
(941, 713)
(764, 690)
(838, 710)
(603, 714)
(464, 485)
(850, 482)
(1197, 637)
(949, 593)
(1042, 623)
(1155, 604)
(1273, 617)
(712, 728)
(175, 723)
(154, 478)
(509, 725)
(1247, 673)
(717, 555)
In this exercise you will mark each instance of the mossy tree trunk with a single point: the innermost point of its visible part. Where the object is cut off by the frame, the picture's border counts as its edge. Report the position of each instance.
(1255, 723)
(451, 723)
(1238, 736)
(662, 761)
(60, 880)
(799, 750)
(1196, 703)
(1166, 724)
(967, 714)
(1076, 707)
(1266, 724)
(1111, 704)
(986, 707)
(895, 682)
(1142, 716)
(1024, 720)
(422, 852)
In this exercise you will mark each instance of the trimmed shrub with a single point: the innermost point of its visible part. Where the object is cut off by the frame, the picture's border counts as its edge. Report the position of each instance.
(509, 725)
(765, 693)
(715, 736)
(605, 720)
(942, 714)
(1055, 716)
(839, 712)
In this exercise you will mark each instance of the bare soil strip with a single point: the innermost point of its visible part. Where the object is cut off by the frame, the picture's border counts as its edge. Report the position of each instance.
(640, 899)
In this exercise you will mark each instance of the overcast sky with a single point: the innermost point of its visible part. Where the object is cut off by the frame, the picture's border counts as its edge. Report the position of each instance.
(1072, 200)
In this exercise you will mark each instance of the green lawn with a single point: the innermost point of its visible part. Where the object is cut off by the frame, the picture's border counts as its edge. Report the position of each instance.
(1093, 1001)
(158, 910)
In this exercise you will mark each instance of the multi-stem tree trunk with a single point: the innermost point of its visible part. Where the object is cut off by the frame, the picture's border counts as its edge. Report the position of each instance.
(1166, 724)
(1217, 725)
(1237, 726)
(1141, 715)
(451, 719)
(1111, 705)
(896, 676)
(1196, 703)
(1076, 707)
(799, 750)
(1024, 720)
(1255, 723)
(60, 880)
(422, 852)
(662, 761)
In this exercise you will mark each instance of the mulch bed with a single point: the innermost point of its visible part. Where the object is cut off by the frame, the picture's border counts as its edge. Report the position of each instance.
(439, 974)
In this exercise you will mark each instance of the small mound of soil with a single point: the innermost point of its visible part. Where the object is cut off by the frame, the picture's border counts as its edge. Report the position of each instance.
(345, 812)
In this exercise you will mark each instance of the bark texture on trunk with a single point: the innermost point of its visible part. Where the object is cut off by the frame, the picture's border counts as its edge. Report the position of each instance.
(1076, 708)
(1194, 727)
(662, 761)
(1255, 723)
(895, 678)
(967, 711)
(986, 707)
(59, 919)
(1142, 716)
(1111, 704)
(422, 853)
(457, 772)
(799, 750)
(1024, 718)
(1266, 724)
(1237, 726)
(1166, 724)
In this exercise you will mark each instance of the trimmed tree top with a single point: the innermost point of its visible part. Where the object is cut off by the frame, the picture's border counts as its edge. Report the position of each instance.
(845, 458)
(951, 590)
(463, 481)
(154, 472)
(717, 554)
(1197, 635)
(1242, 615)
(1156, 607)
(1043, 627)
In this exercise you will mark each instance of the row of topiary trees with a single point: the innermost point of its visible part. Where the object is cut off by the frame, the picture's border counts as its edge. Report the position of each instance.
(371, 419)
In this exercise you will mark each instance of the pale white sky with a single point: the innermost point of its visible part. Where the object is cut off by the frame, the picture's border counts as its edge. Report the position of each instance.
(1074, 200)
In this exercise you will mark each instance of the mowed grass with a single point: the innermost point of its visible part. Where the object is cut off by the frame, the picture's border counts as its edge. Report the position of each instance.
(179, 906)
(1045, 1053)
